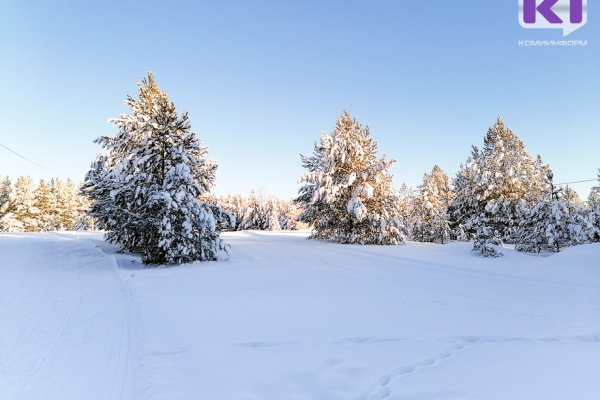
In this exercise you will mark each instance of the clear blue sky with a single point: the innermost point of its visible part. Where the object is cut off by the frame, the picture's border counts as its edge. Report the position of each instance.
(262, 79)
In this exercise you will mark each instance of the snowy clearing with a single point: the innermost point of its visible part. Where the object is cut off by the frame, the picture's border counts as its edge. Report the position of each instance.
(289, 318)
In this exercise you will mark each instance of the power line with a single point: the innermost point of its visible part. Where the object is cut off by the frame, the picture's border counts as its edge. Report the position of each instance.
(29, 160)
(58, 172)
(568, 183)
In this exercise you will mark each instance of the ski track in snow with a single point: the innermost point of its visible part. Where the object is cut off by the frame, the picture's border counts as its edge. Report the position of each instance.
(124, 343)
(291, 319)
(84, 342)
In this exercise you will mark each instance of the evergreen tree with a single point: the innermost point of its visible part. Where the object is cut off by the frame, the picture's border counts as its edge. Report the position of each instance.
(272, 213)
(24, 214)
(571, 198)
(502, 173)
(593, 214)
(594, 196)
(254, 214)
(235, 207)
(347, 193)
(582, 229)
(6, 195)
(84, 221)
(487, 238)
(46, 203)
(260, 214)
(67, 200)
(549, 225)
(486, 241)
(431, 208)
(407, 198)
(145, 189)
(460, 234)
(288, 214)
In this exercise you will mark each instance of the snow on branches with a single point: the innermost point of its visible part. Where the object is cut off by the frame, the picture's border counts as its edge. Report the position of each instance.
(146, 188)
(347, 194)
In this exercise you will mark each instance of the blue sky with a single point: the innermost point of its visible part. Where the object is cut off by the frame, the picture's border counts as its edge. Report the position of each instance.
(262, 79)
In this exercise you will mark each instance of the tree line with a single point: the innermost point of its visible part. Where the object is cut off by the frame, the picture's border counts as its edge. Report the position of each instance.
(46, 206)
(150, 191)
(59, 205)
(501, 194)
(258, 212)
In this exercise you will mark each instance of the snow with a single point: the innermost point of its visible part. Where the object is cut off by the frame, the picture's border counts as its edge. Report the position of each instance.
(290, 318)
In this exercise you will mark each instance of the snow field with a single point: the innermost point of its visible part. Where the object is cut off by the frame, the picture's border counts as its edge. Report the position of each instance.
(290, 318)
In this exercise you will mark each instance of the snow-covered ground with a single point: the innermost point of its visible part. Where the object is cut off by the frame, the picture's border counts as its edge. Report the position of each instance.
(292, 319)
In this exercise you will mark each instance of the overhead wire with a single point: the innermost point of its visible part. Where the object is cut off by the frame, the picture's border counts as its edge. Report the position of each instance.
(29, 160)
(569, 183)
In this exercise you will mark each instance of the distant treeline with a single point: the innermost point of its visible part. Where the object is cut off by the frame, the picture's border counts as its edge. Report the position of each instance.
(46, 206)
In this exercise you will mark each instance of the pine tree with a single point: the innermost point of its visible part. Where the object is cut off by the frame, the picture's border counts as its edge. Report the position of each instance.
(46, 203)
(593, 214)
(460, 234)
(582, 229)
(487, 238)
(24, 214)
(260, 214)
(288, 215)
(254, 217)
(486, 241)
(347, 193)
(502, 173)
(432, 222)
(571, 198)
(406, 195)
(84, 221)
(594, 196)
(235, 207)
(6, 195)
(272, 213)
(67, 199)
(549, 225)
(145, 189)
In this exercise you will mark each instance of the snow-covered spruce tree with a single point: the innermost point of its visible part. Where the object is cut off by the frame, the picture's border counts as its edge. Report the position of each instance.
(145, 189)
(503, 173)
(549, 225)
(594, 196)
(431, 208)
(593, 215)
(460, 234)
(581, 228)
(347, 194)
(487, 238)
